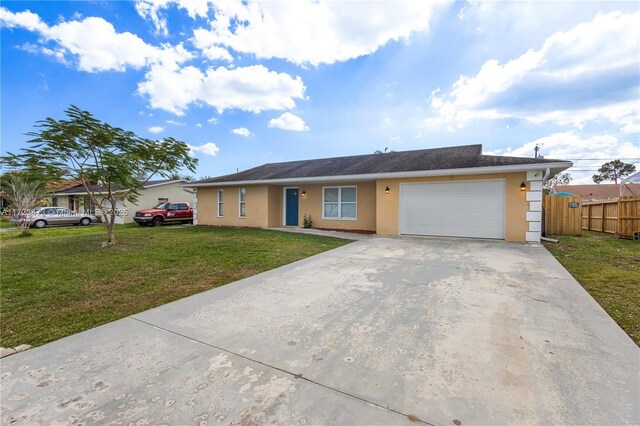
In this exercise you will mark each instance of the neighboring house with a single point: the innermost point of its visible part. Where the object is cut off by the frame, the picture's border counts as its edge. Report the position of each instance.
(154, 192)
(61, 185)
(453, 191)
(599, 191)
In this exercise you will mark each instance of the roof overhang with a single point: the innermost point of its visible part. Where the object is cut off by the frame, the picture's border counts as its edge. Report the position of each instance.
(554, 168)
(118, 191)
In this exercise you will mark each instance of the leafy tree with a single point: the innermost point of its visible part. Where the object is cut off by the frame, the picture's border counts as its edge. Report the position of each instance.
(113, 164)
(24, 195)
(613, 170)
(559, 179)
(178, 176)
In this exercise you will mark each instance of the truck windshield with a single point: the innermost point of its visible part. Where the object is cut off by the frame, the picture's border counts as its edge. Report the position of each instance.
(161, 206)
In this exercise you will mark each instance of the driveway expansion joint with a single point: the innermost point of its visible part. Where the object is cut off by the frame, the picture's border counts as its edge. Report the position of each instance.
(298, 376)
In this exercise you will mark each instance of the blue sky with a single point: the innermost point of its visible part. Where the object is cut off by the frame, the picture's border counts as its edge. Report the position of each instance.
(246, 83)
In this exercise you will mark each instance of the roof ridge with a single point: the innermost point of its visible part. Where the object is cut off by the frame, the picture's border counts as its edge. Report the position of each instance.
(475, 146)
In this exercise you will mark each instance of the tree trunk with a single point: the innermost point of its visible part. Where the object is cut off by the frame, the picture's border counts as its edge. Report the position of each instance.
(111, 238)
(24, 228)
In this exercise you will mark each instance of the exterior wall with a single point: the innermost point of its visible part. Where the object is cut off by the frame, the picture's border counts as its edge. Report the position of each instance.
(149, 198)
(376, 211)
(257, 206)
(275, 206)
(265, 207)
(311, 203)
(387, 205)
(62, 201)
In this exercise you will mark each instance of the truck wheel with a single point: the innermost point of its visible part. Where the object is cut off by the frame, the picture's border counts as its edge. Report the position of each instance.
(157, 221)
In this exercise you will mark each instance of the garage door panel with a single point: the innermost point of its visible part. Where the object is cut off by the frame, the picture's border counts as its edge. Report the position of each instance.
(457, 209)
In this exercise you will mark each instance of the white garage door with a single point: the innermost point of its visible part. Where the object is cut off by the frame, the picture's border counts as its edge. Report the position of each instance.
(454, 209)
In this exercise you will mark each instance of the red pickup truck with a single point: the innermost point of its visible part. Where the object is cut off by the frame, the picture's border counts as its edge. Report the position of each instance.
(173, 211)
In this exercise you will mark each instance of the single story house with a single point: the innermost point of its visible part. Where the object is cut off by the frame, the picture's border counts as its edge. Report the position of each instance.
(599, 191)
(154, 192)
(455, 191)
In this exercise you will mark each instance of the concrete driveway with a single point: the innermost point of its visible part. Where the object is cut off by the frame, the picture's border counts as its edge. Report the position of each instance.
(381, 331)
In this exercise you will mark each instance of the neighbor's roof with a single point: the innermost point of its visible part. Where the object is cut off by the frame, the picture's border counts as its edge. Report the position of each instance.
(63, 184)
(457, 157)
(602, 191)
(635, 178)
(80, 189)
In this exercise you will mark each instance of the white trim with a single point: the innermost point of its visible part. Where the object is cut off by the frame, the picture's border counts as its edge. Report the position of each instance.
(534, 196)
(504, 186)
(194, 206)
(533, 217)
(534, 175)
(219, 201)
(535, 206)
(535, 185)
(339, 202)
(532, 236)
(284, 205)
(118, 191)
(240, 203)
(395, 175)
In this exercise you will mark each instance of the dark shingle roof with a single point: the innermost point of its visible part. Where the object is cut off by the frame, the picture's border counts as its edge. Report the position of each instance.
(80, 189)
(457, 157)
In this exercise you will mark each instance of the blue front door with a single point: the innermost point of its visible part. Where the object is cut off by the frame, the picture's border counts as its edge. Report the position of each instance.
(291, 203)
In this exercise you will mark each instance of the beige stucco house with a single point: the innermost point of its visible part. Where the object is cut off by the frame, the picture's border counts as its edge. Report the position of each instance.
(154, 192)
(455, 191)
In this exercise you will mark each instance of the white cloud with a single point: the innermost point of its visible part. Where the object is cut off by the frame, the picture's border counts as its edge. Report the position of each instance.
(242, 131)
(27, 20)
(208, 148)
(169, 84)
(104, 50)
(586, 74)
(253, 88)
(301, 31)
(150, 9)
(212, 120)
(288, 121)
(156, 129)
(176, 123)
(587, 153)
(199, 125)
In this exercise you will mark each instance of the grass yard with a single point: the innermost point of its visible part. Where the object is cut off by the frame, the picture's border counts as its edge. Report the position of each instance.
(5, 223)
(61, 281)
(609, 269)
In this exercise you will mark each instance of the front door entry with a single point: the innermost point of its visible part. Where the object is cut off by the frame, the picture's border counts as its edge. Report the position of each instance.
(291, 207)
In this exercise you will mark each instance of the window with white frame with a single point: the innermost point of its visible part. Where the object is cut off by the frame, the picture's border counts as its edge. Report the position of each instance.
(339, 202)
(220, 202)
(242, 203)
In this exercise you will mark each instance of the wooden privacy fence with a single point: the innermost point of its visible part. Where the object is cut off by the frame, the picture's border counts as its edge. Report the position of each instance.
(620, 217)
(562, 215)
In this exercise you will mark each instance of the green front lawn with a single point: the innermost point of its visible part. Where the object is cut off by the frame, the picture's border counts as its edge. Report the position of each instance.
(61, 281)
(6, 223)
(609, 269)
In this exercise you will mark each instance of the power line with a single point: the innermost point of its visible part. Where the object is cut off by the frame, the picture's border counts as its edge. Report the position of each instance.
(602, 159)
